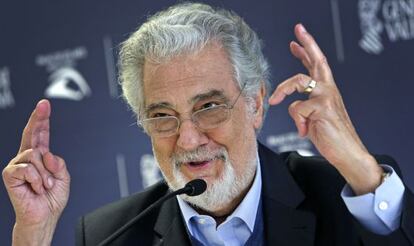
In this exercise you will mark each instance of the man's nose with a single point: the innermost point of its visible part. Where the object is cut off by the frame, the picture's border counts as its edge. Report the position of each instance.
(189, 136)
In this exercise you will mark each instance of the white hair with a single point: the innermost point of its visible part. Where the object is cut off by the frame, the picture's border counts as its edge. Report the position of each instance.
(184, 29)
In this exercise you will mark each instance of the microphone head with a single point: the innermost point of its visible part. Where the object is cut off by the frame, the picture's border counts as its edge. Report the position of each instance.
(195, 187)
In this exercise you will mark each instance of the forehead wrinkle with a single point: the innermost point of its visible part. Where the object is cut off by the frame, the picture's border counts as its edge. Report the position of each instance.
(160, 89)
(180, 82)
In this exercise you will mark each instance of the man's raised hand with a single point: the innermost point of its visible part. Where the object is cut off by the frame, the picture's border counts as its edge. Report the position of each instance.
(323, 117)
(37, 182)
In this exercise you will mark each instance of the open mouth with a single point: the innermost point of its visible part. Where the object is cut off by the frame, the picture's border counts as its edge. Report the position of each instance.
(202, 164)
(198, 163)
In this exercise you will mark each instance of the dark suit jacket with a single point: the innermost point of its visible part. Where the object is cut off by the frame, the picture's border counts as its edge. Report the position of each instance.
(301, 206)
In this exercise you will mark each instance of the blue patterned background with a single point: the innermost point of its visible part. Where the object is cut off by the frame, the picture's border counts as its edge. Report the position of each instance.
(46, 45)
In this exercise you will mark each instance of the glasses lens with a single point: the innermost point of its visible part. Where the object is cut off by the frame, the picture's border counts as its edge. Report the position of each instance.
(211, 117)
(161, 127)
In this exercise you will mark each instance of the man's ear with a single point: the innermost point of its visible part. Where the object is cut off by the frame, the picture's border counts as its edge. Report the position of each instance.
(259, 110)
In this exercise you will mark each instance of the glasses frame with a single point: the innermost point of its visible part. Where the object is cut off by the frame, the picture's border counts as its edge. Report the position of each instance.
(179, 121)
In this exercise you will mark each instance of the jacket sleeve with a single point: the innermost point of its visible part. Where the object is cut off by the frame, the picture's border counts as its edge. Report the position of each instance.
(404, 235)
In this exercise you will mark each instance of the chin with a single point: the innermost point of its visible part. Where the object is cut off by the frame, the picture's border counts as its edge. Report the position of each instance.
(221, 192)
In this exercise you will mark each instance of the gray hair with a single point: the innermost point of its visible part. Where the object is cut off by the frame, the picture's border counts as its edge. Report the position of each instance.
(186, 28)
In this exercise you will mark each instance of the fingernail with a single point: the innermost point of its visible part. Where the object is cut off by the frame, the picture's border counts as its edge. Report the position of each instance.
(302, 28)
(50, 182)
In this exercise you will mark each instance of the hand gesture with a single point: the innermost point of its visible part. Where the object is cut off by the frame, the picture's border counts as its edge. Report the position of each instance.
(37, 182)
(323, 117)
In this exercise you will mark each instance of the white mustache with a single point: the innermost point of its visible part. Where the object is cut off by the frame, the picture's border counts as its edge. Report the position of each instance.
(198, 155)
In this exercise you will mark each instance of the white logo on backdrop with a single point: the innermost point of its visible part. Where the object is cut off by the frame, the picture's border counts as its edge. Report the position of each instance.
(66, 82)
(6, 96)
(395, 17)
(150, 172)
(60, 81)
(290, 142)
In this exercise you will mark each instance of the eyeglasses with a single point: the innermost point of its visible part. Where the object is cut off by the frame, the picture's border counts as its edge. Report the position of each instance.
(205, 119)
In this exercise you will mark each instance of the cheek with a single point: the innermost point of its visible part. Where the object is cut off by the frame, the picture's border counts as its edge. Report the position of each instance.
(244, 140)
(237, 136)
(163, 149)
(243, 125)
(163, 146)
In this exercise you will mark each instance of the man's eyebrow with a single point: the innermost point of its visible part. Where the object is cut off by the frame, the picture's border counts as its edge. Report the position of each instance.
(157, 105)
(210, 94)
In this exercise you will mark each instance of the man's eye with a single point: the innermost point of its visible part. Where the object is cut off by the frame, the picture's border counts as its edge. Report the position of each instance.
(158, 115)
(210, 105)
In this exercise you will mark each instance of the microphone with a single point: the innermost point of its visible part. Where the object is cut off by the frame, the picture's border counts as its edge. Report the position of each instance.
(193, 188)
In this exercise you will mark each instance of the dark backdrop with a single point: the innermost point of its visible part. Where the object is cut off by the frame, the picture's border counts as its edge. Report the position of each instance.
(66, 51)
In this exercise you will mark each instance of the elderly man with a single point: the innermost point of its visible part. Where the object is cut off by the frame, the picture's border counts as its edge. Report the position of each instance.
(198, 82)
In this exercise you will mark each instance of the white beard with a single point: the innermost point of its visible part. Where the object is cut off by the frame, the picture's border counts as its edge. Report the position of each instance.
(222, 191)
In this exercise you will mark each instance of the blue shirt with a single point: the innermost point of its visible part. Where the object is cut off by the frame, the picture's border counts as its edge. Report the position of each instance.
(379, 212)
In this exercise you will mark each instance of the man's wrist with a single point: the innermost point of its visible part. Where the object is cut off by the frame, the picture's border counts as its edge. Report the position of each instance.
(33, 235)
(364, 175)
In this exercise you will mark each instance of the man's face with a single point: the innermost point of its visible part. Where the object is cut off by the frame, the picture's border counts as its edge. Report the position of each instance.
(188, 83)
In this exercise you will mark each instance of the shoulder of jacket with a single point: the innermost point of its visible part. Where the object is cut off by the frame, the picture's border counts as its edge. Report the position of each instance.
(128, 207)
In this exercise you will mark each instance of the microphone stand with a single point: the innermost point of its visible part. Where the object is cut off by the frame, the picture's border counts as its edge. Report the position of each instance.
(192, 188)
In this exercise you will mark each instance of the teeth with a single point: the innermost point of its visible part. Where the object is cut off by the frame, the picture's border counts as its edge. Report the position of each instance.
(200, 160)
(195, 162)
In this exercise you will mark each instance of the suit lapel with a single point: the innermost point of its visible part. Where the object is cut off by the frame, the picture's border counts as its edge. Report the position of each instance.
(170, 227)
(281, 196)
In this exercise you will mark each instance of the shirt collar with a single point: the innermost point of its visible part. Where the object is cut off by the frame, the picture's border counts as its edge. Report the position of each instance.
(244, 211)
